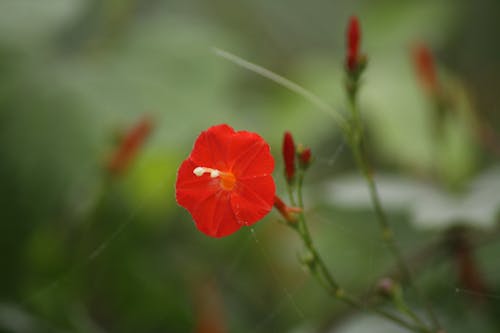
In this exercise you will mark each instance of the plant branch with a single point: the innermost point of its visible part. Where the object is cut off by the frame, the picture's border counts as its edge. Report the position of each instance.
(321, 272)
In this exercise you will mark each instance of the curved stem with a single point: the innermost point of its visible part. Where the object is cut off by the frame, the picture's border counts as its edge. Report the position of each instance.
(387, 233)
(290, 85)
(387, 315)
(321, 272)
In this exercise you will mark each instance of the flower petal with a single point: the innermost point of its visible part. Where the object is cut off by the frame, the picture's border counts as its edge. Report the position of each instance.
(253, 199)
(191, 188)
(214, 216)
(211, 147)
(250, 156)
(208, 204)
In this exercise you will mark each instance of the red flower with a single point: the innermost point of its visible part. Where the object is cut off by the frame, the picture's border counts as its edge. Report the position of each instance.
(289, 156)
(129, 146)
(353, 37)
(226, 181)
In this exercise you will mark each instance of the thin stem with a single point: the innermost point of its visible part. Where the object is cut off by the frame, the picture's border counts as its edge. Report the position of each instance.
(385, 314)
(341, 295)
(290, 194)
(412, 315)
(329, 283)
(302, 220)
(387, 232)
(321, 272)
(290, 85)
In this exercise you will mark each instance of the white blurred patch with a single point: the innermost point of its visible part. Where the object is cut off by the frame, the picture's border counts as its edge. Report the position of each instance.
(428, 206)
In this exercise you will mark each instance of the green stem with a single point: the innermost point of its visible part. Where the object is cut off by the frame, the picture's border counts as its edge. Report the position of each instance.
(404, 308)
(355, 140)
(387, 233)
(302, 221)
(290, 194)
(387, 315)
(321, 272)
(334, 289)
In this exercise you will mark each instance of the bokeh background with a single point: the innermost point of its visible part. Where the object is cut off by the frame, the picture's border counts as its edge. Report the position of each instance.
(83, 250)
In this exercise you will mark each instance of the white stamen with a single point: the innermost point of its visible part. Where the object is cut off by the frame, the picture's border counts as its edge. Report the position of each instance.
(200, 171)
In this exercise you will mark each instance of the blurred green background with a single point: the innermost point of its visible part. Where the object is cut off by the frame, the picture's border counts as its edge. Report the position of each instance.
(80, 252)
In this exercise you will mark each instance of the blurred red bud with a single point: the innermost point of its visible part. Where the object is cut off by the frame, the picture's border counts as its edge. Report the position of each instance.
(353, 38)
(289, 156)
(425, 67)
(129, 146)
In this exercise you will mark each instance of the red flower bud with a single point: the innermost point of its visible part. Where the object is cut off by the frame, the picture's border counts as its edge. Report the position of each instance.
(425, 68)
(304, 157)
(353, 38)
(129, 146)
(289, 156)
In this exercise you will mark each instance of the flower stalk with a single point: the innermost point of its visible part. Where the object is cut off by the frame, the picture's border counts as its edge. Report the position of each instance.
(355, 140)
(296, 219)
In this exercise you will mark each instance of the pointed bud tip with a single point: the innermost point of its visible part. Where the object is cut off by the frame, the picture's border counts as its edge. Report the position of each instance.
(353, 34)
(353, 41)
